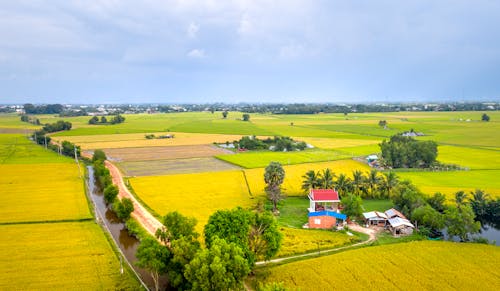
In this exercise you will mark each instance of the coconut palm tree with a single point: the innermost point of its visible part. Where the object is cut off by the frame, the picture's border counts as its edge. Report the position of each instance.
(273, 177)
(343, 184)
(326, 179)
(479, 202)
(373, 181)
(311, 181)
(358, 181)
(460, 197)
(389, 182)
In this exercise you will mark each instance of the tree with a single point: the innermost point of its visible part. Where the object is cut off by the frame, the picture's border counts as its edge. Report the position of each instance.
(117, 119)
(183, 251)
(273, 177)
(123, 208)
(257, 234)
(407, 197)
(326, 179)
(220, 267)
(437, 201)
(99, 155)
(103, 119)
(372, 181)
(406, 152)
(110, 193)
(246, 117)
(94, 120)
(343, 184)
(352, 205)
(358, 181)
(460, 198)
(460, 222)
(485, 117)
(311, 181)
(389, 181)
(428, 216)
(479, 203)
(382, 123)
(224, 114)
(152, 256)
(176, 226)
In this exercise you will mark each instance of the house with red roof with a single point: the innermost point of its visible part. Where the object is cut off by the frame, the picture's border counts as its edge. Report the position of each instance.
(324, 208)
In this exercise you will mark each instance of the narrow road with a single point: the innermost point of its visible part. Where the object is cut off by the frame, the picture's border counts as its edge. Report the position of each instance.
(370, 232)
(148, 221)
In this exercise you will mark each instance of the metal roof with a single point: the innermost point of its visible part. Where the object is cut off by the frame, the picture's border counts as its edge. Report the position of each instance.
(393, 212)
(327, 195)
(374, 214)
(397, 222)
(328, 213)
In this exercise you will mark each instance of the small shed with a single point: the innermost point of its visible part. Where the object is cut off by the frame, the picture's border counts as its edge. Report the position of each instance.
(325, 219)
(375, 218)
(323, 199)
(371, 158)
(400, 226)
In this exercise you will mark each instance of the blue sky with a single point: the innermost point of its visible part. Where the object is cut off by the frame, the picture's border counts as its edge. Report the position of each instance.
(120, 51)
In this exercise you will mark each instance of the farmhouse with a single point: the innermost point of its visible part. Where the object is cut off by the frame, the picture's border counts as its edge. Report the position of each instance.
(323, 199)
(400, 226)
(375, 218)
(325, 219)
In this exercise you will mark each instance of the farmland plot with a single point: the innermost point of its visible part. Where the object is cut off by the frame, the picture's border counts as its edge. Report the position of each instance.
(59, 256)
(162, 153)
(174, 166)
(416, 266)
(40, 192)
(17, 149)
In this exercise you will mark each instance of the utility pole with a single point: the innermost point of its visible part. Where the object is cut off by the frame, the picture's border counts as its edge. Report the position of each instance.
(45, 141)
(76, 158)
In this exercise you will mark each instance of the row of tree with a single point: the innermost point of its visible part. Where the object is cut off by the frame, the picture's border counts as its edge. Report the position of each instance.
(43, 109)
(122, 207)
(30, 119)
(277, 143)
(372, 185)
(103, 120)
(406, 152)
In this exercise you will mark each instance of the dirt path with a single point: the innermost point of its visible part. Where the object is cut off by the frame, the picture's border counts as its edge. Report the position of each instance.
(370, 232)
(148, 221)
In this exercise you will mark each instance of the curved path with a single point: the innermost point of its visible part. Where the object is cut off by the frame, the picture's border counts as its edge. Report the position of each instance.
(370, 232)
(148, 221)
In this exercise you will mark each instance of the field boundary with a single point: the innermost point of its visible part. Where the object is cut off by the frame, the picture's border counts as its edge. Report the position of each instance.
(47, 221)
(246, 182)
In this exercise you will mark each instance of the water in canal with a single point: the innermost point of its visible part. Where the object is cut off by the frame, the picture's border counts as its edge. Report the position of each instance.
(127, 244)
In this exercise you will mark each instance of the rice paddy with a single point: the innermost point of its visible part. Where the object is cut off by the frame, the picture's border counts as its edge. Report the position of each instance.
(416, 265)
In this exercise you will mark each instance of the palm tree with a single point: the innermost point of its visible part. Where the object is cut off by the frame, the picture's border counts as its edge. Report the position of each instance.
(373, 181)
(479, 202)
(273, 177)
(389, 182)
(311, 181)
(358, 181)
(343, 184)
(460, 197)
(326, 179)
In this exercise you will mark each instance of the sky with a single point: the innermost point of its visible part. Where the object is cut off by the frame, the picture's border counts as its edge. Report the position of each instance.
(206, 51)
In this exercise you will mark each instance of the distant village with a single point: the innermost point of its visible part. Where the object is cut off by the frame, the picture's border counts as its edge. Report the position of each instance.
(297, 108)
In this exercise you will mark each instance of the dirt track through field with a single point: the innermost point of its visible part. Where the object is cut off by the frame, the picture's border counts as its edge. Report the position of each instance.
(148, 221)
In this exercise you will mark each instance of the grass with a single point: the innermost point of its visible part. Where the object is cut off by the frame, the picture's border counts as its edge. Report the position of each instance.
(57, 256)
(41, 192)
(377, 205)
(417, 265)
(293, 211)
(261, 159)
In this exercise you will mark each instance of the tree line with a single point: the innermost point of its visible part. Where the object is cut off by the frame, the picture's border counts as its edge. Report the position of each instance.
(406, 152)
(122, 207)
(277, 143)
(65, 148)
(116, 119)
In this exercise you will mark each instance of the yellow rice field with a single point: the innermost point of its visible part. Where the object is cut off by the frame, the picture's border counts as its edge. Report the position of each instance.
(335, 143)
(410, 266)
(59, 256)
(40, 192)
(196, 195)
(138, 140)
(298, 241)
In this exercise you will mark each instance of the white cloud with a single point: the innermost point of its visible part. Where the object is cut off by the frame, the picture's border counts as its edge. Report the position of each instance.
(291, 51)
(192, 30)
(196, 54)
